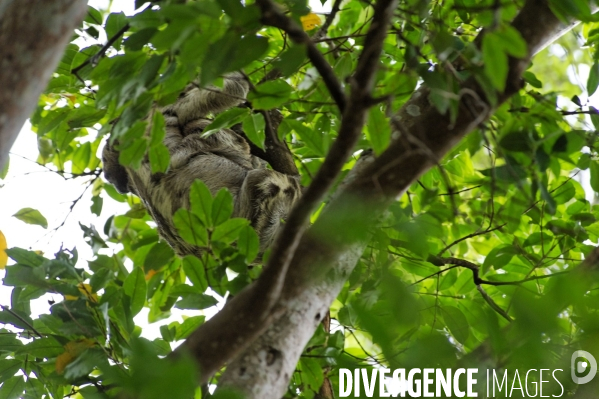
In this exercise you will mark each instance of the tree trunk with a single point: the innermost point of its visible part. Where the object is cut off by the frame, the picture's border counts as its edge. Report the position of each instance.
(33, 35)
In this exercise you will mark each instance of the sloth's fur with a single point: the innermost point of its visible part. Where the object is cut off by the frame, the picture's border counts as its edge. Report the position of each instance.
(221, 160)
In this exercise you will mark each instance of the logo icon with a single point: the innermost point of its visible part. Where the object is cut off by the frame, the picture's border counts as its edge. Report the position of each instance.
(582, 363)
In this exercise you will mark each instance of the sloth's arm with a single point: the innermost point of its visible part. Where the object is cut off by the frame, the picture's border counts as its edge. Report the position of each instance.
(196, 102)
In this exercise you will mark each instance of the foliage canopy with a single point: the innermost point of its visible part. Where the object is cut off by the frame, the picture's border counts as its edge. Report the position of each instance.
(472, 266)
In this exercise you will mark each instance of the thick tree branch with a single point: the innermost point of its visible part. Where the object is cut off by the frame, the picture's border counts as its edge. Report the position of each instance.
(267, 326)
(329, 250)
(352, 121)
(33, 35)
(215, 342)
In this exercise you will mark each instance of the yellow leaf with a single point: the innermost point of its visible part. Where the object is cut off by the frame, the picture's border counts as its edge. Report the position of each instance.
(62, 360)
(310, 21)
(150, 274)
(71, 351)
(76, 347)
(86, 290)
(3, 255)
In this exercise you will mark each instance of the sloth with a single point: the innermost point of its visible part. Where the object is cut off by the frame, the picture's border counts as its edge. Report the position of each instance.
(220, 160)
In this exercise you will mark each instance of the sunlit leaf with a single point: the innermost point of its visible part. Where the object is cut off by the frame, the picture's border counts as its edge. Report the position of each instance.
(3, 254)
(270, 94)
(31, 216)
(229, 230)
(253, 127)
(135, 287)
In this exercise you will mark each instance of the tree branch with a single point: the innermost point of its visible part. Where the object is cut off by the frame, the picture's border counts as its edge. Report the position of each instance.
(30, 30)
(272, 16)
(352, 121)
(322, 31)
(305, 275)
(93, 60)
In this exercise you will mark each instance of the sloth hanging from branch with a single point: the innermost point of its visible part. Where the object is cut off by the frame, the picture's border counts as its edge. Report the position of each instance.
(220, 160)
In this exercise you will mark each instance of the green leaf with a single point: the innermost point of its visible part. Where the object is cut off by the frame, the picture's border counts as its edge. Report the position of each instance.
(537, 239)
(114, 23)
(84, 116)
(194, 270)
(136, 41)
(291, 60)
(42, 347)
(549, 200)
(52, 120)
(248, 243)
(512, 42)
(149, 73)
(270, 95)
(8, 368)
(222, 207)
(312, 138)
(516, 141)
(448, 280)
(253, 126)
(157, 132)
(196, 301)
(188, 326)
(25, 257)
(133, 153)
(190, 227)
(499, 257)
(12, 388)
(135, 287)
(93, 16)
(229, 230)
(231, 53)
(595, 176)
(456, 322)
(81, 157)
(85, 363)
(200, 200)
(4, 169)
(96, 207)
(378, 130)
(532, 80)
(312, 373)
(160, 254)
(496, 61)
(593, 80)
(31, 216)
(225, 120)
(9, 342)
(159, 158)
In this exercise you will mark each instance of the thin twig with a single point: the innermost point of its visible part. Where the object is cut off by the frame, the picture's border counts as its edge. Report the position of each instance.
(492, 304)
(475, 234)
(272, 16)
(22, 320)
(93, 60)
(322, 31)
